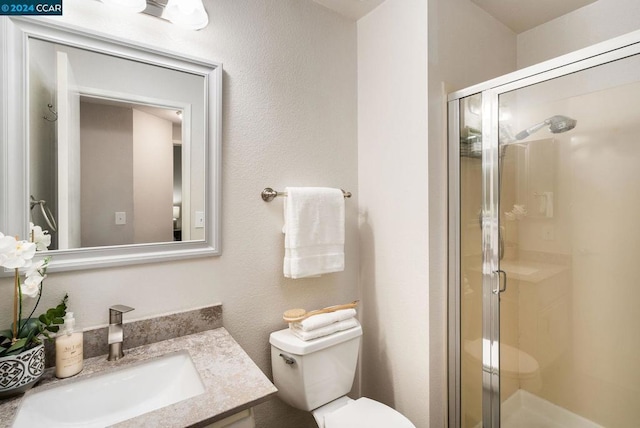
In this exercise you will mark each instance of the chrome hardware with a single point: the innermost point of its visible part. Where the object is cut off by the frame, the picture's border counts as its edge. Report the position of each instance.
(53, 112)
(116, 332)
(288, 360)
(46, 213)
(501, 289)
(268, 194)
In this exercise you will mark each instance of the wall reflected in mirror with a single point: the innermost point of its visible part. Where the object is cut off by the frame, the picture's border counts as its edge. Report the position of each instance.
(116, 149)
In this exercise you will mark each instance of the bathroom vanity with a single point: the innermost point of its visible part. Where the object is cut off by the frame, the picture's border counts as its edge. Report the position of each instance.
(232, 383)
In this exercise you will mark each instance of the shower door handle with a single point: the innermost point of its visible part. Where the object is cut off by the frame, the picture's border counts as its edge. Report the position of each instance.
(500, 289)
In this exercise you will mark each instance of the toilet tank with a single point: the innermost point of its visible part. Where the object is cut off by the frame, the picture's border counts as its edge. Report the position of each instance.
(313, 373)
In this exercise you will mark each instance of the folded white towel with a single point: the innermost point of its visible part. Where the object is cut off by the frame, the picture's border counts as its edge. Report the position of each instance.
(324, 331)
(314, 231)
(321, 320)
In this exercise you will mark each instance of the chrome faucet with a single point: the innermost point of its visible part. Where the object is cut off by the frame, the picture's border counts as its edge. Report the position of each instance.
(116, 332)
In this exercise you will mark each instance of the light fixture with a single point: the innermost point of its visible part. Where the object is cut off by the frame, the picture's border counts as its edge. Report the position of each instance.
(186, 13)
(128, 5)
(189, 14)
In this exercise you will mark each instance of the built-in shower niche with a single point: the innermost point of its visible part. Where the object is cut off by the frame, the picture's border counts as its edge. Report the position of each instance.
(471, 142)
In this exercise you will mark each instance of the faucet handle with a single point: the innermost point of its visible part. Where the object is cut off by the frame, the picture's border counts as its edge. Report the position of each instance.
(121, 308)
(116, 311)
(116, 333)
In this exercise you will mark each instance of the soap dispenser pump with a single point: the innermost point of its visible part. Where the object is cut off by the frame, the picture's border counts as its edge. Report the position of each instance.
(69, 355)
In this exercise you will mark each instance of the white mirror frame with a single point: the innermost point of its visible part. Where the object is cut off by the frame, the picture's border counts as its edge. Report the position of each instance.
(14, 137)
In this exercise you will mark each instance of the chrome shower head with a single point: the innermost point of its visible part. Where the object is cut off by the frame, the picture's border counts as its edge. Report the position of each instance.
(557, 124)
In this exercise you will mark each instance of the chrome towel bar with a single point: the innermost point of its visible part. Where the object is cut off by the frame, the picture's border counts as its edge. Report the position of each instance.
(268, 194)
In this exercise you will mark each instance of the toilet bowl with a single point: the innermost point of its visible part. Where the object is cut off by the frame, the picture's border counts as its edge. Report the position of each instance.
(515, 364)
(361, 413)
(316, 375)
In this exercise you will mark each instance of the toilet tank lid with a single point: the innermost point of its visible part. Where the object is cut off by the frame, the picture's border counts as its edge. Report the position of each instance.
(286, 341)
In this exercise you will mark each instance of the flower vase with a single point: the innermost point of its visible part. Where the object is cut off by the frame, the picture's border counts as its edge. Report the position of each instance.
(18, 373)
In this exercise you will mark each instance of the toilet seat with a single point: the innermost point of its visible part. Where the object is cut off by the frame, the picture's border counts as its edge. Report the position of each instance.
(366, 413)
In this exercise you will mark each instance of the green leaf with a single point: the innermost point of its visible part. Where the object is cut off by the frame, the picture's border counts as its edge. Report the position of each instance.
(59, 311)
(28, 327)
(18, 345)
(32, 336)
(62, 307)
(33, 328)
(5, 344)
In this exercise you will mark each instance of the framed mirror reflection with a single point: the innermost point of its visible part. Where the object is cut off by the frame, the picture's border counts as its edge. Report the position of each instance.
(111, 147)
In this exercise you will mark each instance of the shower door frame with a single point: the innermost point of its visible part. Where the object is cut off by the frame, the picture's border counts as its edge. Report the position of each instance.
(602, 53)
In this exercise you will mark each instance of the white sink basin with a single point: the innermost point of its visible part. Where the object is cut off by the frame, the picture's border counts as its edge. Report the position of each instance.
(518, 268)
(114, 396)
(521, 270)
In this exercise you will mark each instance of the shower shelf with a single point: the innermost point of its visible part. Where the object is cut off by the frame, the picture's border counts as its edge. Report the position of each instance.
(470, 143)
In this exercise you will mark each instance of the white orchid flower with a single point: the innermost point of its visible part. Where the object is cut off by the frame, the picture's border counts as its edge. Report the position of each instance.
(7, 246)
(40, 237)
(31, 285)
(34, 277)
(15, 254)
(40, 267)
(18, 255)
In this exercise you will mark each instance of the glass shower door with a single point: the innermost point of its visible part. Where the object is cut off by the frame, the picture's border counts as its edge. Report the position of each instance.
(569, 249)
(545, 245)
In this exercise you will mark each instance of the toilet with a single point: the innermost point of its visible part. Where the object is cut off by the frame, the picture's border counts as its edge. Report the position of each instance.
(515, 364)
(316, 375)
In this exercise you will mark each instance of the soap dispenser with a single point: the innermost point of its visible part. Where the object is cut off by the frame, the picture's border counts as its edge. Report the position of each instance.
(69, 355)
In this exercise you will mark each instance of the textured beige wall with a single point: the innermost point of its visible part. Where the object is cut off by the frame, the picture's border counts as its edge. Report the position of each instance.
(289, 118)
(152, 178)
(586, 26)
(106, 139)
(392, 169)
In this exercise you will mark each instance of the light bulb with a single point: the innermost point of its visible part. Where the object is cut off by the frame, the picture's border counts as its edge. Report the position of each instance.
(186, 13)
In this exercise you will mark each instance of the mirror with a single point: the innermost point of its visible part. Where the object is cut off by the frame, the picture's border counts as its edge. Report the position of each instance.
(112, 148)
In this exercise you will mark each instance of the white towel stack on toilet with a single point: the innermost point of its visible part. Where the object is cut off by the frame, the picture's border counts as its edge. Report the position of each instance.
(324, 324)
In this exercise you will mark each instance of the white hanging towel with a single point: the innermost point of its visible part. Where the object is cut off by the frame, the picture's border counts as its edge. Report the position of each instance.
(313, 231)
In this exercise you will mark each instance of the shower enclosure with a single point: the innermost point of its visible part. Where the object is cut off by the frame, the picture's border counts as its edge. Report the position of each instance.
(544, 271)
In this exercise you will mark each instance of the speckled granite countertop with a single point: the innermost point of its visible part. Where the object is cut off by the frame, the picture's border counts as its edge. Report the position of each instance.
(233, 381)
